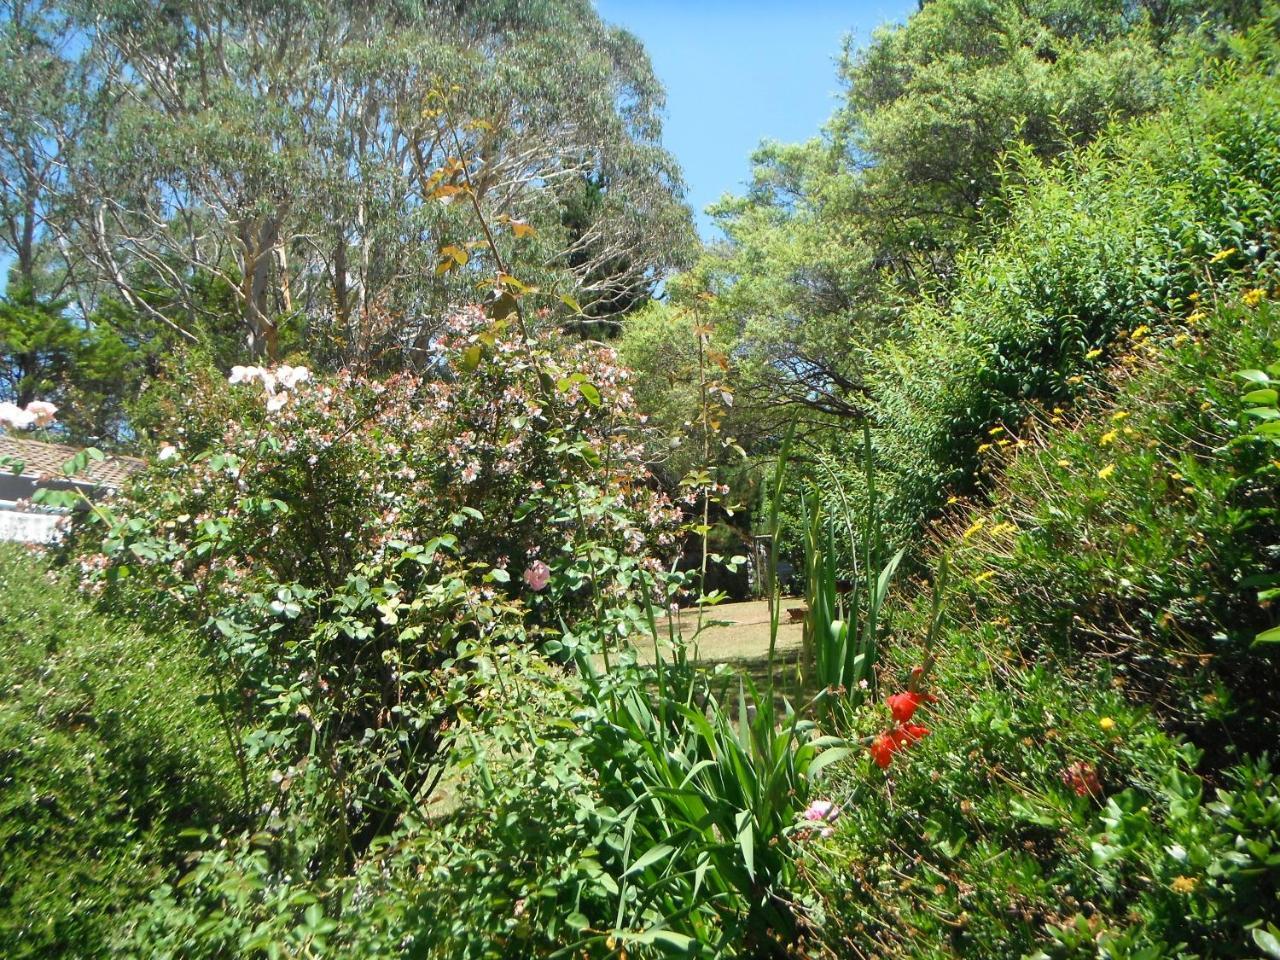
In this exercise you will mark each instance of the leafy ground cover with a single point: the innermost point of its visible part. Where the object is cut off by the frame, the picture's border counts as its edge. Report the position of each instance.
(1099, 781)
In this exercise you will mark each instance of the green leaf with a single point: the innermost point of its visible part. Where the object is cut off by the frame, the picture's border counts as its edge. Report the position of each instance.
(502, 306)
(591, 393)
(471, 358)
(1267, 942)
(648, 858)
(747, 842)
(828, 757)
(1254, 376)
(666, 938)
(1268, 636)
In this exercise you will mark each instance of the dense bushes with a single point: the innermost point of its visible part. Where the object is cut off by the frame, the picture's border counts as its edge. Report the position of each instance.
(1105, 715)
(1109, 240)
(107, 755)
(1141, 536)
(353, 550)
(413, 602)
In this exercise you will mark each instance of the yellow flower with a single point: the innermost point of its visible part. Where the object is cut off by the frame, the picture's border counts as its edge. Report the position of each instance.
(1107, 724)
(974, 528)
(1184, 884)
(994, 430)
(1253, 297)
(1130, 432)
(1075, 379)
(1108, 438)
(1206, 405)
(984, 447)
(1195, 318)
(1000, 528)
(1004, 443)
(1222, 255)
(1180, 339)
(984, 576)
(1141, 332)
(1119, 415)
(1106, 471)
(1064, 462)
(951, 500)
(1093, 355)
(1194, 296)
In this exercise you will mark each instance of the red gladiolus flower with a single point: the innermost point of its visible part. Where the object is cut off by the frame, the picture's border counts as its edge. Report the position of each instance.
(903, 705)
(911, 732)
(882, 748)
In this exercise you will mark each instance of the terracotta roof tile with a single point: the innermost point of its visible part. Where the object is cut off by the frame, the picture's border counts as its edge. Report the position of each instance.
(40, 458)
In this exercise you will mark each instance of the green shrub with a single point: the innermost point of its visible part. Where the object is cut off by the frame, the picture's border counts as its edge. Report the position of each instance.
(106, 756)
(1140, 535)
(1093, 785)
(1104, 242)
(352, 549)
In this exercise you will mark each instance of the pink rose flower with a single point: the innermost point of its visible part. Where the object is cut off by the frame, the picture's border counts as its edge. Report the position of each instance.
(537, 576)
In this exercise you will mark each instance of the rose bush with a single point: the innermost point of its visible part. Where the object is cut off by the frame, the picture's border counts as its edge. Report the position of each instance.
(359, 553)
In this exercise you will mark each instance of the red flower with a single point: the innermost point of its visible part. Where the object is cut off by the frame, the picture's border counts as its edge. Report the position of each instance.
(882, 748)
(911, 732)
(903, 705)
(1083, 779)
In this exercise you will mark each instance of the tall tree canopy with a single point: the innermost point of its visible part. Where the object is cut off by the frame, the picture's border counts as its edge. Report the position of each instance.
(837, 234)
(296, 156)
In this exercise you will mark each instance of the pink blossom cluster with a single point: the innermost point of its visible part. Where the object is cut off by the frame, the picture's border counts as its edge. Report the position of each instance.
(487, 453)
(276, 381)
(37, 413)
(824, 812)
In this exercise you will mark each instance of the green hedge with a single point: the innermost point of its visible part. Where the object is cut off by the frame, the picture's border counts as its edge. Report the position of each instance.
(106, 755)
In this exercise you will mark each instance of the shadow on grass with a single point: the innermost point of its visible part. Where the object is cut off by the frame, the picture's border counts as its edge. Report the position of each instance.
(792, 677)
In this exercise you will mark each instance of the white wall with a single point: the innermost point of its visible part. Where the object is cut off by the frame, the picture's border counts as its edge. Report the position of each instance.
(30, 527)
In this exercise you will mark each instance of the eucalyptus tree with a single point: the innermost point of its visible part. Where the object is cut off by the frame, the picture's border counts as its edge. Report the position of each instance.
(293, 152)
(38, 122)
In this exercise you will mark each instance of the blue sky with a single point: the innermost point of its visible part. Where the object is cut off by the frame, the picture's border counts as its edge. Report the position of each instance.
(740, 72)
